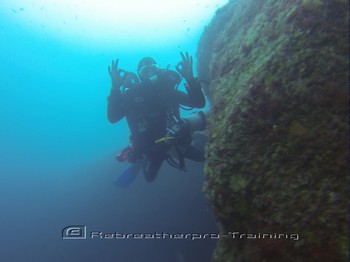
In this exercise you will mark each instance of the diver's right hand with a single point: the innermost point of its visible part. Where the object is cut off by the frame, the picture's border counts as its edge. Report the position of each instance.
(117, 75)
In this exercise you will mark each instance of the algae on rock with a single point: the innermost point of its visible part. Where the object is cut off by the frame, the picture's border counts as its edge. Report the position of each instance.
(277, 74)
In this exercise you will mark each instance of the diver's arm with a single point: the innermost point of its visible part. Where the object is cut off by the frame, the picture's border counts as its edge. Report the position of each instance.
(195, 93)
(114, 108)
(193, 98)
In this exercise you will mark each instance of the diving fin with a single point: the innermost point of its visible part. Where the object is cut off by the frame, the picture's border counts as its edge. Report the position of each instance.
(129, 174)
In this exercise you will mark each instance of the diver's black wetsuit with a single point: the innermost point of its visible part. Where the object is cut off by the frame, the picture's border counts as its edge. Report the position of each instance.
(147, 107)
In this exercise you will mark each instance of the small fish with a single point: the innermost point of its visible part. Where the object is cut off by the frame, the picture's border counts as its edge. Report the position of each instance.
(13, 10)
(188, 29)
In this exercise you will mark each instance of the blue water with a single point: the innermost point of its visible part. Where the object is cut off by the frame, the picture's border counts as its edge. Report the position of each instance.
(57, 159)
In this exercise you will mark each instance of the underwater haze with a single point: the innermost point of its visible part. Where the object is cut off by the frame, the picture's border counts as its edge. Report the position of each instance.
(58, 148)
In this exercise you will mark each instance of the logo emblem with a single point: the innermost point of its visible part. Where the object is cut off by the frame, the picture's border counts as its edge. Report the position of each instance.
(74, 232)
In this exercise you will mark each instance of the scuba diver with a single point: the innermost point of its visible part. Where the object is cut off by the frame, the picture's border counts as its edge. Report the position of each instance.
(150, 102)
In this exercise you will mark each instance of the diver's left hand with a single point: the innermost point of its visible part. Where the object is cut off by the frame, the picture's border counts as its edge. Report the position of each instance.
(185, 67)
(117, 75)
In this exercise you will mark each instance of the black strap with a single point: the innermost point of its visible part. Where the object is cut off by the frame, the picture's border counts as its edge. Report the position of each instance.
(172, 162)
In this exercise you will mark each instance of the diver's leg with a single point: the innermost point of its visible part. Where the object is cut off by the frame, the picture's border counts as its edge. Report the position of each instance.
(152, 166)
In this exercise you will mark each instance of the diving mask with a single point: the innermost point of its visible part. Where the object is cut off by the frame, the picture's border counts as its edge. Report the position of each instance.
(149, 72)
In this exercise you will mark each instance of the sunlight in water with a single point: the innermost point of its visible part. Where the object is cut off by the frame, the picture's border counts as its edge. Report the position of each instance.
(112, 22)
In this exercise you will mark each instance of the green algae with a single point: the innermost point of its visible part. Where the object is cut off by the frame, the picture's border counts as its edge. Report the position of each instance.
(277, 153)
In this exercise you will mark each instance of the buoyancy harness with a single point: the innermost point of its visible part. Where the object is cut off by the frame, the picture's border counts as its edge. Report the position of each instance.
(178, 131)
(174, 139)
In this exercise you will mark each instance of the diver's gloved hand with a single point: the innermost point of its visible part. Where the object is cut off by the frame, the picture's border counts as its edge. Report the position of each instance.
(117, 75)
(185, 67)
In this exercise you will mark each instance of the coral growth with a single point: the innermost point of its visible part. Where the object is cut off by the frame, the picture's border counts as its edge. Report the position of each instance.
(277, 153)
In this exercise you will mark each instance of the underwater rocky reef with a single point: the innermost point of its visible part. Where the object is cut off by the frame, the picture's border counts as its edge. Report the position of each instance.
(276, 73)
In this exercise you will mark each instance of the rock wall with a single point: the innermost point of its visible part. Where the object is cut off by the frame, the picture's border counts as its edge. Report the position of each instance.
(277, 76)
